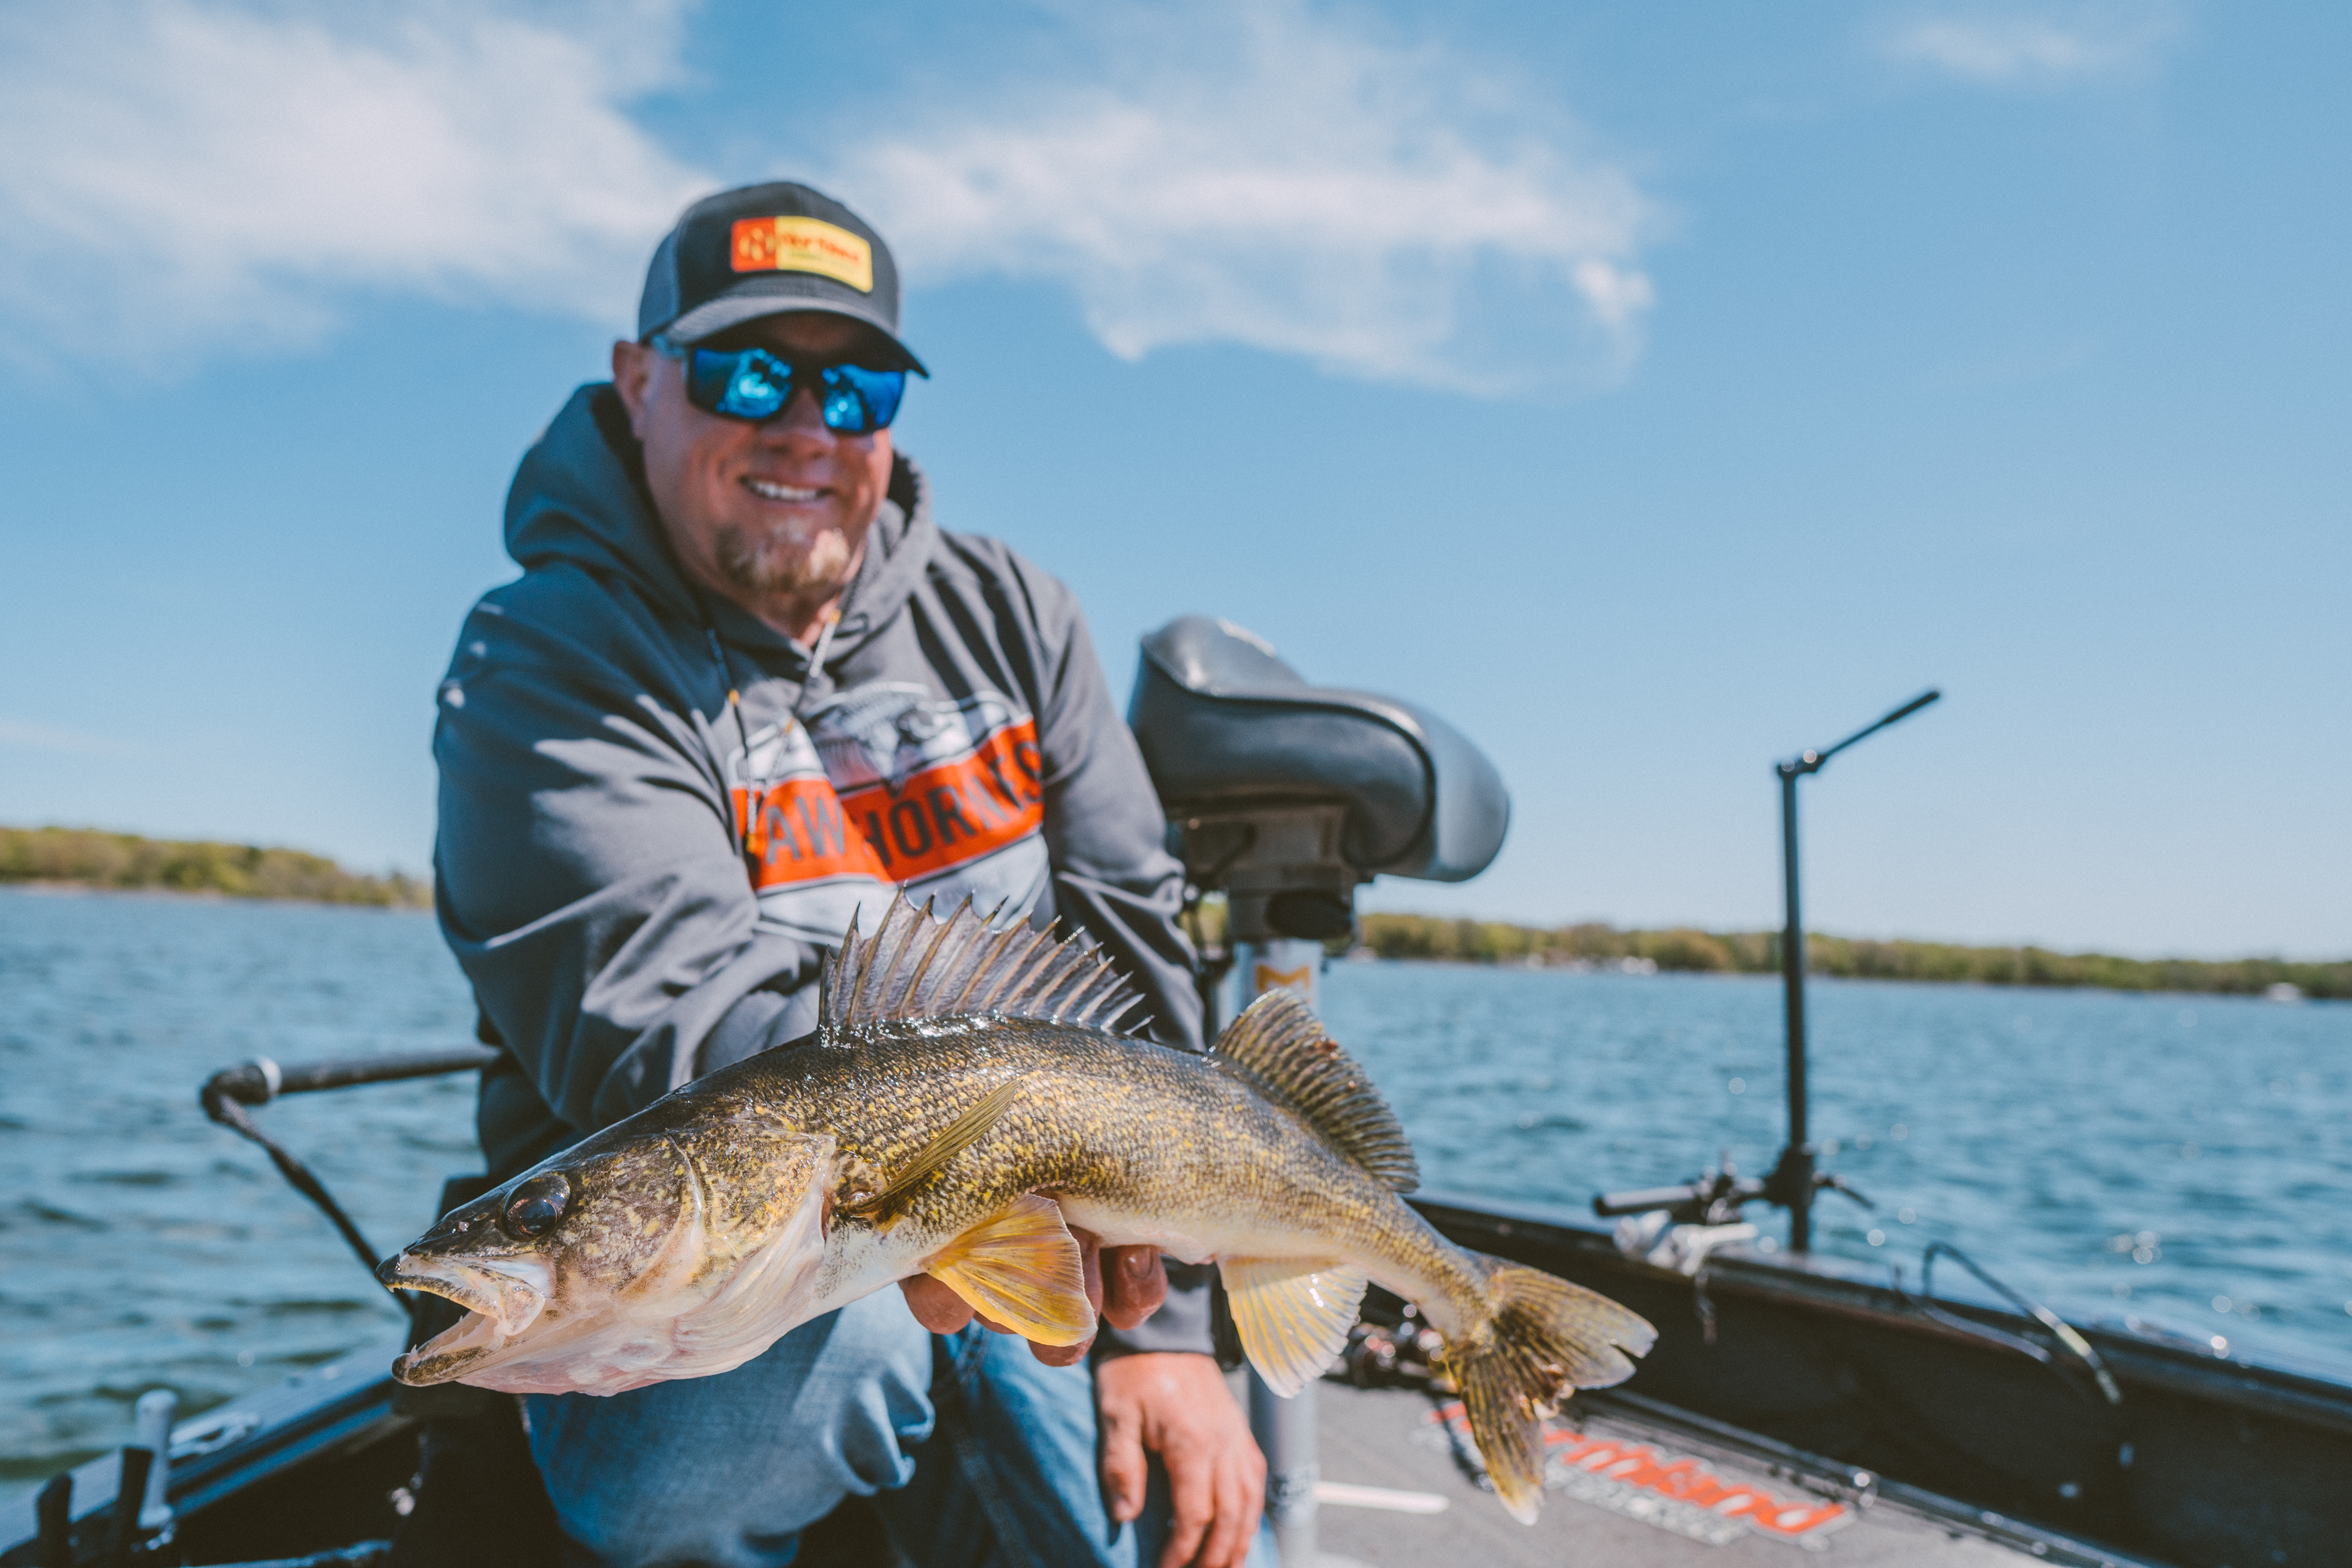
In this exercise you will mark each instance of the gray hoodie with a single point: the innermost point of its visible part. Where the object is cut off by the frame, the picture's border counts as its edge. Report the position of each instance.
(638, 876)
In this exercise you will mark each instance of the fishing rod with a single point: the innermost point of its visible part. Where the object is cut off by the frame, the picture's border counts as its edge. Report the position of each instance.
(228, 1093)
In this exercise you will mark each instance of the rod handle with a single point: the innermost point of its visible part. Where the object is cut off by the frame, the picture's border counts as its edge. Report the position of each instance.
(123, 1525)
(53, 1546)
(1609, 1205)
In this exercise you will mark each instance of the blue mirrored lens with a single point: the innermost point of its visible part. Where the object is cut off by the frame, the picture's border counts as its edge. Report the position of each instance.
(754, 384)
(866, 399)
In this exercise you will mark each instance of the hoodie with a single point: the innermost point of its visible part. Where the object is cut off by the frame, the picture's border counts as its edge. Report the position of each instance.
(657, 811)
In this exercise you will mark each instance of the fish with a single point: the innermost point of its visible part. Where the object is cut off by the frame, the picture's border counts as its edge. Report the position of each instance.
(969, 1098)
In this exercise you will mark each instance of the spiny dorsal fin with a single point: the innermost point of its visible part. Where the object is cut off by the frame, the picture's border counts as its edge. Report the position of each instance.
(1281, 1042)
(919, 967)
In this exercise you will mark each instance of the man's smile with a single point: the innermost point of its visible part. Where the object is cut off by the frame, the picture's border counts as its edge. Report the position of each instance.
(769, 489)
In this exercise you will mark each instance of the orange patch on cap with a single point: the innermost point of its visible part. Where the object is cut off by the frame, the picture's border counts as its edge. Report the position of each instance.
(803, 245)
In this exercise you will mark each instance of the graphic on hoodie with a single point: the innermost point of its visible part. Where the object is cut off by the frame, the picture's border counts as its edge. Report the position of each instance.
(886, 786)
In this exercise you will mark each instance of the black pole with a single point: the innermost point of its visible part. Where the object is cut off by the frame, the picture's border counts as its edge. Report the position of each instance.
(1792, 1183)
(1796, 1174)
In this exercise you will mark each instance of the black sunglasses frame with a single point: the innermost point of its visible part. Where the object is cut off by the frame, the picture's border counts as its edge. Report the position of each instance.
(874, 394)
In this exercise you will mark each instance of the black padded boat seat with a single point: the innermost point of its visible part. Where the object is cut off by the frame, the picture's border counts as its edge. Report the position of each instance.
(1225, 724)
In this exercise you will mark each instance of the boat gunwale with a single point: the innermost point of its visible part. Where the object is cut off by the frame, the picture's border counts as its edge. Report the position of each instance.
(1819, 1286)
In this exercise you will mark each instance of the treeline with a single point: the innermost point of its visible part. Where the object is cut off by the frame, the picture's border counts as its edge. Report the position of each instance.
(86, 858)
(1759, 952)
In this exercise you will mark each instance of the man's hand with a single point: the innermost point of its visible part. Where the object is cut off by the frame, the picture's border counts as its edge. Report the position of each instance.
(1177, 1406)
(1125, 1285)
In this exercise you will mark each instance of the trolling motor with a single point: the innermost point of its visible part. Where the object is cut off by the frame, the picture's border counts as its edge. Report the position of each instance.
(1288, 798)
(1713, 1203)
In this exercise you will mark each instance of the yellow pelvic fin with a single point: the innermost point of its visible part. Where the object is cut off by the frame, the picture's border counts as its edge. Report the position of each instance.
(884, 1206)
(1294, 1317)
(1021, 1268)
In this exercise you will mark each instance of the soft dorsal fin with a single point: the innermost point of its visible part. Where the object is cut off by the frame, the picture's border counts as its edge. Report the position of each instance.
(1281, 1042)
(920, 967)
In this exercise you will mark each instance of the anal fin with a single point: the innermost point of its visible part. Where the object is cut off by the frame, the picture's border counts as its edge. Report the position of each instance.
(1293, 1317)
(1021, 1269)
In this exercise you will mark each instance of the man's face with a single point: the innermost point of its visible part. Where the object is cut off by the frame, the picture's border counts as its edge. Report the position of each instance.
(773, 515)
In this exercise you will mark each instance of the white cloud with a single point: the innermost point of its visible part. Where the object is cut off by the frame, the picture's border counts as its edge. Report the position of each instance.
(175, 175)
(178, 176)
(2037, 50)
(1255, 173)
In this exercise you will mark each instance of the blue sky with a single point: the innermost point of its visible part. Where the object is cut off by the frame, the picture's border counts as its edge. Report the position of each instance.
(1653, 391)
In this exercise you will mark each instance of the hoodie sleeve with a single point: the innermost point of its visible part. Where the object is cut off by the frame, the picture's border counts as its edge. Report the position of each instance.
(1112, 874)
(587, 881)
(1104, 831)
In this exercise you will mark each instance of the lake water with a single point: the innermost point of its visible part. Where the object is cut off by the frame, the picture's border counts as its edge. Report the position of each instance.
(2176, 1159)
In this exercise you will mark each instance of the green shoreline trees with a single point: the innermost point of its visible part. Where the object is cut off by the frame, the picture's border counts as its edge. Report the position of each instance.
(89, 858)
(1759, 952)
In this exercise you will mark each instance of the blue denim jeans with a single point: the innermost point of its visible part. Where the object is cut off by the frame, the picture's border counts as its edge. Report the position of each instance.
(728, 1471)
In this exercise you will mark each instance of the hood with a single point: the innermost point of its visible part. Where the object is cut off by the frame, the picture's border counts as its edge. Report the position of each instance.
(580, 498)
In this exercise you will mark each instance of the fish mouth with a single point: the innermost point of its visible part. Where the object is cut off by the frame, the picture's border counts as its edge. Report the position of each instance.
(500, 1306)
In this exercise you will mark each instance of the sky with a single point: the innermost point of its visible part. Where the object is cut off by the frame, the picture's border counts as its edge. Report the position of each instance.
(1655, 392)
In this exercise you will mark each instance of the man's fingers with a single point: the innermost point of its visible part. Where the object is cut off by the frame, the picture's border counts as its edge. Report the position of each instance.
(1124, 1468)
(1192, 1500)
(934, 1306)
(1239, 1502)
(1090, 1263)
(1216, 1477)
(1062, 1355)
(1135, 1283)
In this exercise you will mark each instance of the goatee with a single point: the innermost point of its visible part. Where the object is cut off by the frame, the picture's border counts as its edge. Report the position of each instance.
(768, 567)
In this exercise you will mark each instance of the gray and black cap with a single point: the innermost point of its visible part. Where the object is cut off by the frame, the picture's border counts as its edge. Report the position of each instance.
(761, 251)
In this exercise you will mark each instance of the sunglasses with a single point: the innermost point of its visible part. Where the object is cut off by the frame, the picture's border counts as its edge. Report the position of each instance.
(754, 384)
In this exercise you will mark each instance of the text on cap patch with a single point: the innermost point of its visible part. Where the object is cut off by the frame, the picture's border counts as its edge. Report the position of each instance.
(803, 245)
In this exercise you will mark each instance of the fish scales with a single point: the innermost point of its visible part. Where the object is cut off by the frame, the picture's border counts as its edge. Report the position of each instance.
(1109, 1127)
(920, 1134)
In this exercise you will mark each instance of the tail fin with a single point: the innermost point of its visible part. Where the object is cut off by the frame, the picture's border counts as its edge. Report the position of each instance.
(1543, 1339)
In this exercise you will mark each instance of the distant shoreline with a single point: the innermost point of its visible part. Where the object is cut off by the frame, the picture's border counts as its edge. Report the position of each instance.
(73, 859)
(60, 889)
(1366, 955)
(1690, 951)
(98, 861)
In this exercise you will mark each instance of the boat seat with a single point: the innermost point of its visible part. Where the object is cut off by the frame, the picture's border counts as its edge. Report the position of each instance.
(1225, 724)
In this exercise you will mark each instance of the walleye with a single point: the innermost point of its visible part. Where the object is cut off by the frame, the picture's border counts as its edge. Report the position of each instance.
(965, 1102)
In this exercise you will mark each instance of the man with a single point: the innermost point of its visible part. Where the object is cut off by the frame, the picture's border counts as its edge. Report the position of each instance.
(744, 688)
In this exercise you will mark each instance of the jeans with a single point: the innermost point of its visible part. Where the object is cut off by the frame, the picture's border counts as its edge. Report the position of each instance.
(728, 1470)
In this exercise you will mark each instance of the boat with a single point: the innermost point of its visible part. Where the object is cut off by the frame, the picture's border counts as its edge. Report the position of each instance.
(1785, 1403)
(1791, 1400)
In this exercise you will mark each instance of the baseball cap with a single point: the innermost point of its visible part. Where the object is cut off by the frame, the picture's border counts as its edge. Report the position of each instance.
(761, 251)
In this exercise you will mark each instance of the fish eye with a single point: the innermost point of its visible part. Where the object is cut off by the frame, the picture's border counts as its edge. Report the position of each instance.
(537, 1204)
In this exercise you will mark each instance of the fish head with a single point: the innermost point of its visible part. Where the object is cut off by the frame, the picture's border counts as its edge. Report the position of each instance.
(679, 1243)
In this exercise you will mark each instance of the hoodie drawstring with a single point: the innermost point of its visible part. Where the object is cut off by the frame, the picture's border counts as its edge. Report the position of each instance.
(752, 831)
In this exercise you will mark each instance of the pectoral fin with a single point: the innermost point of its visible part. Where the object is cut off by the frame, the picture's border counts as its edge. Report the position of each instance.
(1293, 1317)
(884, 1206)
(1021, 1268)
